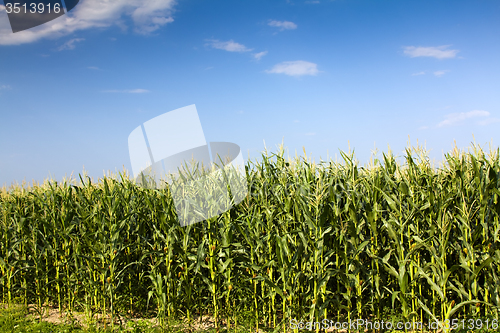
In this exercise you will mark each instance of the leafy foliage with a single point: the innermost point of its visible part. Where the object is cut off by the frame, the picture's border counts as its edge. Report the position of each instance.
(309, 241)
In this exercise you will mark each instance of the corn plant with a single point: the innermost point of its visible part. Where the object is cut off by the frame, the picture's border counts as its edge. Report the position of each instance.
(310, 240)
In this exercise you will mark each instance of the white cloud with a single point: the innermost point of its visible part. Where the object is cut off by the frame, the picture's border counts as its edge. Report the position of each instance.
(438, 52)
(4, 87)
(94, 68)
(295, 68)
(259, 55)
(129, 91)
(456, 118)
(282, 25)
(418, 73)
(312, 2)
(70, 44)
(146, 15)
(440, 73)
(230, 46)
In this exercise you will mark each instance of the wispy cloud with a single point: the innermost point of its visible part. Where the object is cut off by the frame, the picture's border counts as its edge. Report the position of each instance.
(295, 68)
(259, 55)
(436, 73)
(4, 87)
(230, 45)
(70, 44)
(457, 118)
(440, 73)
(94, 68)
(438, 52)
(312, 2)
(282, 25)
(129, 91)
(147, 16)
(310, 133)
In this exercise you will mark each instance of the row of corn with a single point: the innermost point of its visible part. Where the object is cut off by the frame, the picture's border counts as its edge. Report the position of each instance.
(311, 240)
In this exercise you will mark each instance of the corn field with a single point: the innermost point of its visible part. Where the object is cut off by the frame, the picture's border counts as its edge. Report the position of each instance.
(311, 240)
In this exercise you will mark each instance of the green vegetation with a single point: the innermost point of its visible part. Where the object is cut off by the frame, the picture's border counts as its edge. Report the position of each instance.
(14, 320)
(17, 319)
(311, 241)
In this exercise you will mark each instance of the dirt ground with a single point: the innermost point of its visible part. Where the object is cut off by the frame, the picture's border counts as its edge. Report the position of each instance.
(52, 315)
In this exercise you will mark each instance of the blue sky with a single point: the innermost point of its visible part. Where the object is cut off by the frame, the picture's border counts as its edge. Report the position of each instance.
(316, 74)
